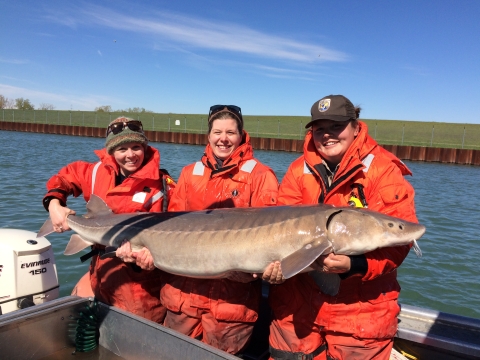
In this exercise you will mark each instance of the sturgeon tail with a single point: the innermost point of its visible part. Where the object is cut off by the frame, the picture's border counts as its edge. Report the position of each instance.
(47, 228)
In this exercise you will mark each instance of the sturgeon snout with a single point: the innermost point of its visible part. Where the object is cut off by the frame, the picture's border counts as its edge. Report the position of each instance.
(357, 231)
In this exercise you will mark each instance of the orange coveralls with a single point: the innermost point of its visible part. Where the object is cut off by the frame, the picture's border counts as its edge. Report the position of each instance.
(361, 320)
(113, 281)
(220, 312)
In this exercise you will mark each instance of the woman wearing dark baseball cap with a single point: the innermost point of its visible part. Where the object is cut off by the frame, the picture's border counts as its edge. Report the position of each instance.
(342, 165)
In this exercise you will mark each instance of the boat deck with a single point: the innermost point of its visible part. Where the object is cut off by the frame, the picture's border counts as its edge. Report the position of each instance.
(42, 332)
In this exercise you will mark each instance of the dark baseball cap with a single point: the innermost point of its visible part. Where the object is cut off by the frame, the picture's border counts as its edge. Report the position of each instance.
(332, 107)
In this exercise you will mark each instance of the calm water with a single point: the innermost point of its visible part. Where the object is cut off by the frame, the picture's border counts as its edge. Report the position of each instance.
(446, 278)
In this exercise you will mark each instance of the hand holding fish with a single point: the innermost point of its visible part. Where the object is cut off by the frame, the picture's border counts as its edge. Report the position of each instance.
(58, 215)
(142, 258)
(332, 263)
(124, 252)
(273, 273)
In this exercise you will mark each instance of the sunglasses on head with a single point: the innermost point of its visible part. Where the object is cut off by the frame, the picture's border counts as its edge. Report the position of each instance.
(236, 110)
(118, 127)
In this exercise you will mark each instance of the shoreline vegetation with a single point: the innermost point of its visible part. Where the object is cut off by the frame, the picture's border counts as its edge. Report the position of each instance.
(385, 132)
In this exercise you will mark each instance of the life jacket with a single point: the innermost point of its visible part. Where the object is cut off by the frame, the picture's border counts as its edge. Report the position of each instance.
(142, 191)
(243, 181)
(380, 176)
(113, 281)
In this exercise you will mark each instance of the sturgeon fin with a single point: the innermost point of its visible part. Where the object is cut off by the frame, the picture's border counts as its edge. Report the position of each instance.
(300, 259)
(47, 228)
(97, 207)
(76, 244)
(329, 283)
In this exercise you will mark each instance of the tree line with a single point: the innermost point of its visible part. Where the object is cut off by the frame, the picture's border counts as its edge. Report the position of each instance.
(25, 104)
(22, 104)
(108, 109)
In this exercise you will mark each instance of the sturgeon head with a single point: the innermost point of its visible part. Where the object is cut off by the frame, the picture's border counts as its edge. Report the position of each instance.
(353, 231)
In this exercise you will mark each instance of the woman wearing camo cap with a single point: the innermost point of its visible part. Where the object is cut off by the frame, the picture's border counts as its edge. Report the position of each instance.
(128, 178)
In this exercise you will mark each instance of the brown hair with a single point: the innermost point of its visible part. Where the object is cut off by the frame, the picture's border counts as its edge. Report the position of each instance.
(357, 115)
(225, 115)
(357, 111)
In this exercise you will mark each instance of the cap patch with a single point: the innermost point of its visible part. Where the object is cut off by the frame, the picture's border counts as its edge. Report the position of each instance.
(323, 105)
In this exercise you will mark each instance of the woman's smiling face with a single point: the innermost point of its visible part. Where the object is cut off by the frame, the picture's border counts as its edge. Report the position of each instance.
(224, 137)
(333, 138)
(129, 157)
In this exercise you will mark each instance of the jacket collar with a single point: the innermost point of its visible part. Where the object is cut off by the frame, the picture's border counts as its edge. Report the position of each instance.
(359, 148)
(243, 152)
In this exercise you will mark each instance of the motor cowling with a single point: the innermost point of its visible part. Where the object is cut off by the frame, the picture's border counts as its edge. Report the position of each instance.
(28, 274)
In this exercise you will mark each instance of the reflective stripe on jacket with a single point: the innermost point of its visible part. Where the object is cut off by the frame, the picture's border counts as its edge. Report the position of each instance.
(386, 191)
(242, 182)
(141, 191)
(114, 282)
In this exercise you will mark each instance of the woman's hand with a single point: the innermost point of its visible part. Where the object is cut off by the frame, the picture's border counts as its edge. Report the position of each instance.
(142, 258)
(58, 215)
(273, 273)
(332, 263)
(124, 252)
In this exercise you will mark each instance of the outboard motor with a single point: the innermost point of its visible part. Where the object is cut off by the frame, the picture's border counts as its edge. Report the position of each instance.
(28, 275)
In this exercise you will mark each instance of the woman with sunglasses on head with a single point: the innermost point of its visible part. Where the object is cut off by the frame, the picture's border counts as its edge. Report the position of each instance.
(128, 179)
(342, 165)
(219, 312)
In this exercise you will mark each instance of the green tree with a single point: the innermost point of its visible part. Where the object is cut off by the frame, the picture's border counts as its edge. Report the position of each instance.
(135, 110)
(44, 106)
(105, 108)
(5, 103)
(23, 104)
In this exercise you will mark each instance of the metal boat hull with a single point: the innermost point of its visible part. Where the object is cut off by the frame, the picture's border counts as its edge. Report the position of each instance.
(41, 331)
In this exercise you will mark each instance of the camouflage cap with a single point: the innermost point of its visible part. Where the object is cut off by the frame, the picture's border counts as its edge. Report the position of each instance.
(124, 136)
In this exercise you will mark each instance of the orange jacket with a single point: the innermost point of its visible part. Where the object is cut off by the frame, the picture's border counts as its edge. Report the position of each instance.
(76, 179)
(242, 182)
(386, 191)
(114, 282)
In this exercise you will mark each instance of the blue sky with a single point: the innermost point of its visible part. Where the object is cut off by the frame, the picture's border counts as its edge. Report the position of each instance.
(400, 60)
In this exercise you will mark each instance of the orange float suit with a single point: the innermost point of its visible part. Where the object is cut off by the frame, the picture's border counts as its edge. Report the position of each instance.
(361, 320)
(113, 281)
(220, 312)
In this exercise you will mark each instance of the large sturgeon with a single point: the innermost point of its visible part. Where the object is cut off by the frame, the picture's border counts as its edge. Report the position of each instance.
(212, 243)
